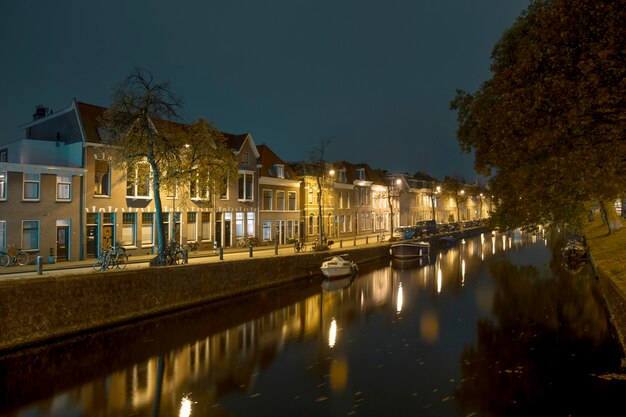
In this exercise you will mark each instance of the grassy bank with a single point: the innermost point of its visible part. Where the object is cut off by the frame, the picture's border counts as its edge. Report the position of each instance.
(609, 251)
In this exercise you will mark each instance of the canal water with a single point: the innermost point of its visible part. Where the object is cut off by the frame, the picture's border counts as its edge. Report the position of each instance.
(492, 326)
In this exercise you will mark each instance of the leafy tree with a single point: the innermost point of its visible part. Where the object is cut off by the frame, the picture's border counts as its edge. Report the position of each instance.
(142, 127)
(549, 125)
(454, 189)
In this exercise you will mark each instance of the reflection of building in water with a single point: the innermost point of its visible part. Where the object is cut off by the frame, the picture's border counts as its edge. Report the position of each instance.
(231, 359)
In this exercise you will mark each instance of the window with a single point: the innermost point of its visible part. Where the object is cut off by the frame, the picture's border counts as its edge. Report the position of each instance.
(128, 229)
(138, 180)
(206, 226)
(280, 200)
(4, 155)
(245, 157)
(191, 226)
(250, 229)
(30, 235)
(310, 195)
(280, 170)
(340, 203)
(199, 188)
(246, 188)
(101, 178)
(3, 234)
(360, 173)
(267, 199)
(347, 200)
(342, 175)
(224, 193)
(31, 186)
(311, 224)
(147, 229)
(292, 201)
(267, 230)
(3, 185)
(64, 187)
(239, 224)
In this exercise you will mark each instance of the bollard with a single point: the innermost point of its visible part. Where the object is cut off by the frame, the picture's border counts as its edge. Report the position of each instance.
(276, 247)
(221, 253)
(185, 256)
(251, 251)
(39, 265)
(341, 243)
(367, 240)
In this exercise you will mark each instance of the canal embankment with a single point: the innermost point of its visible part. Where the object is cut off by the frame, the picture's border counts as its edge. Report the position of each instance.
(44, 308)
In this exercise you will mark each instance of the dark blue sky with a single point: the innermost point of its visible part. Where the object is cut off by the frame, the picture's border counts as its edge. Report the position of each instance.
(376, 77)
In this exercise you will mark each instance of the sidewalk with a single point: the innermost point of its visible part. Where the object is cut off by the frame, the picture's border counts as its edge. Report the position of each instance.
(202, 256)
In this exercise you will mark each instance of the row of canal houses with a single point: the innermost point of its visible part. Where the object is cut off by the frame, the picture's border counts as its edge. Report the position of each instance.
(60, 198)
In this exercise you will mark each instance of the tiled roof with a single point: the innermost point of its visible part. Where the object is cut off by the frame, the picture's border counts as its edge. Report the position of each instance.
(268, 159)
(89, 115)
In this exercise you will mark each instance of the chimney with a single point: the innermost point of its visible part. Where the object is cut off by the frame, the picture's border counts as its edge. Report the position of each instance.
(40, 112)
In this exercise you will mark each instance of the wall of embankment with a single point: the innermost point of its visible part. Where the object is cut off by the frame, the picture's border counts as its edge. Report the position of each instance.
(615, 299)
(34, 310)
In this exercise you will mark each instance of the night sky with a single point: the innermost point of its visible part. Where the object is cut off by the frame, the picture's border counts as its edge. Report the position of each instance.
(374, 77)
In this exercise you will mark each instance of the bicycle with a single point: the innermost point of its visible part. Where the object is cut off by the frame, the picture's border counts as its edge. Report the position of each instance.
(243, 242)
(13, 255)
(113, 257)
(299, 246)
(193, 247)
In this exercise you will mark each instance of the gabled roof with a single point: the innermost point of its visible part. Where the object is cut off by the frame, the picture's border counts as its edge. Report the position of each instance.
(268, 159)
(89, 116)
(236, 142)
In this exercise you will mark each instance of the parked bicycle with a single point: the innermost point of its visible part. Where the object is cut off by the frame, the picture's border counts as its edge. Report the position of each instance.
(192, 247)
(299, 246)
(245, 241)
(113, 257)
(13, 255)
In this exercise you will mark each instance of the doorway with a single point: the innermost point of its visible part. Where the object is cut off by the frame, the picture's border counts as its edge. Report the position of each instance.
(62, 243)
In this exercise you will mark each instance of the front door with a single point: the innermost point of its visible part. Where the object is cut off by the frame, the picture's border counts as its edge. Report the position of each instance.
(92, 241)
(62, 243)
(218, 234)
(107, 237)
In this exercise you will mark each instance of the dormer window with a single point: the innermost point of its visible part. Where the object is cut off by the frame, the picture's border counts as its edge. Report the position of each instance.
(342, 176)
(360, 173)
(280, 171)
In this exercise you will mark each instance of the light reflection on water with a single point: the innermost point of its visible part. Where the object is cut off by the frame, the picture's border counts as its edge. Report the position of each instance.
(470, 331)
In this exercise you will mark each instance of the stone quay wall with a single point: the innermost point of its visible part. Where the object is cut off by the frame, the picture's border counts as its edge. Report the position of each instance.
(615, 300)
(35, 310)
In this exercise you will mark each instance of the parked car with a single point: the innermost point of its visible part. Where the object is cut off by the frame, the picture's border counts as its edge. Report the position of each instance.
(426, 227)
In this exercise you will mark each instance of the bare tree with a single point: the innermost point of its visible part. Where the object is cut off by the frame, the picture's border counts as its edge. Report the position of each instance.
(143, 126)
(324, 181)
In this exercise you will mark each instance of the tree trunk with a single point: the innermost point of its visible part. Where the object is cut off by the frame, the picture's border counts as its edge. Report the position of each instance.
(612, 219)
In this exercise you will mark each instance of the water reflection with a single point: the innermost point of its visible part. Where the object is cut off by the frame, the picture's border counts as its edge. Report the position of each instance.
(475, 329)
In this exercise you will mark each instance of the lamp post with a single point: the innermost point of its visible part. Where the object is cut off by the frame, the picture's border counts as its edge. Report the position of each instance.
(321, 184)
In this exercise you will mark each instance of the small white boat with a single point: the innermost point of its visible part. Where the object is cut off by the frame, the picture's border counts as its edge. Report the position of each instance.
(409, 250)
(336, 266)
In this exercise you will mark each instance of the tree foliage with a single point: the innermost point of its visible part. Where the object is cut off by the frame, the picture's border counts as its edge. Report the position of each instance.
(549, 126)
(142, 125)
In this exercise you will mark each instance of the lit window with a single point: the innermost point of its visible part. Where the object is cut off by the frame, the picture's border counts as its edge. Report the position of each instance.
(3, 186)
(147, 229)
(239, 224)
(138, 181)
(267, 230)
(224, 193)
(64, 187)
(246, 188)
(30, 235)
(31, 186)
(191, 226)
(101, 177)
(128, 229)
(250, 228)
(206, 226)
